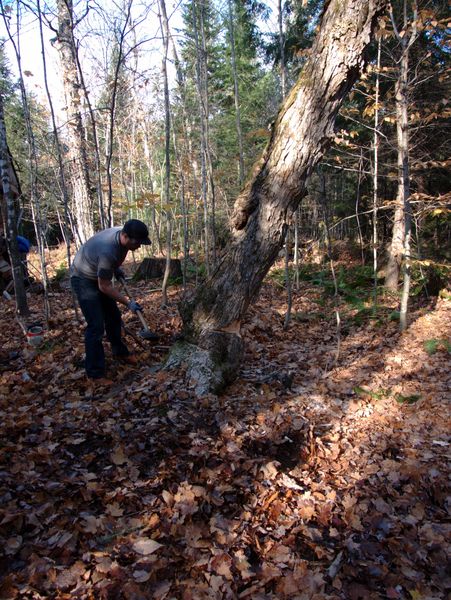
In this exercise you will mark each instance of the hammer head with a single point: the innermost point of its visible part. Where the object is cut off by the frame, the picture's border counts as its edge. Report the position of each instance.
(148, 335)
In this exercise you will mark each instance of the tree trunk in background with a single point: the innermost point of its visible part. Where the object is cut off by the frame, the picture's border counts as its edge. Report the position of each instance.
(167, 136)
(300, 135)
(112, 114)
(35, 204)
(402, 130)
(179, 158)
(10, 195)
(64, 224)
(211, 194)
(402, 211)
(396, 246)
(208, 188)
(78, 163)
(283, 70)
(376, 169)
(202, 108)
(95, 142)
(239, 132)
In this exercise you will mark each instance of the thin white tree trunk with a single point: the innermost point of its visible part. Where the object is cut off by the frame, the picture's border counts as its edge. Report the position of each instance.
(376, 169)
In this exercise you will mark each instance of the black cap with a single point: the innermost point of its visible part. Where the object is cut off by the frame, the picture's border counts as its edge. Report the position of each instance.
(138, 231)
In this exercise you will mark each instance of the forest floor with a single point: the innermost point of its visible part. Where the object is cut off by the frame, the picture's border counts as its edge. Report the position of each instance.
(306, 479)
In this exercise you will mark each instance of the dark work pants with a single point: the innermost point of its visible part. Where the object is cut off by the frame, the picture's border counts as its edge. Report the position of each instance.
(102, 316)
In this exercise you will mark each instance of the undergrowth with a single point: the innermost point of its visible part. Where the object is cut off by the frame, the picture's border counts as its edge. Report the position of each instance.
(355, 288)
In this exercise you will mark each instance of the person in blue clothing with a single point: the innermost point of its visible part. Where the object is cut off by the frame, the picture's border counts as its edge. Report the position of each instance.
(24, 247)
(92, 271)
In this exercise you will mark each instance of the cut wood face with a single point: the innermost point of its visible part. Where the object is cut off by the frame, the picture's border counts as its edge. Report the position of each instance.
(153, 268)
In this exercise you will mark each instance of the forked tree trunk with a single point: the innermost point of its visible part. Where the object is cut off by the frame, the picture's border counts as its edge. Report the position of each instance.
(300, 135)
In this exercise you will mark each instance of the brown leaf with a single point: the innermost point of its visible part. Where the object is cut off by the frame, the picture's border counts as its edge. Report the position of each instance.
(243, 565)
(221, 564)
(161, 590)
(146, 546)
(118, 457)
(104, 565)
(13, 544)
(141, 576)
(8, 590)
(114, 510)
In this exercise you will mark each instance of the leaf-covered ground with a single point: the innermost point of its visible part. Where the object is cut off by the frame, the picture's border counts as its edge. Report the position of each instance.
(305, 480)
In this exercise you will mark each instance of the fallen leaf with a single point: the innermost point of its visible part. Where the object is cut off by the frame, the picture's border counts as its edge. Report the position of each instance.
(146, 546)
(141, 576)
(118, 457)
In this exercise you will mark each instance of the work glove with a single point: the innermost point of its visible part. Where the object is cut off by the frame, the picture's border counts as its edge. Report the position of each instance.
(134, 306)
(119, 274)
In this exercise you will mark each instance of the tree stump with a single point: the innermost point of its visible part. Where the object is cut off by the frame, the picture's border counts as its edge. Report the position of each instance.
(153, 268)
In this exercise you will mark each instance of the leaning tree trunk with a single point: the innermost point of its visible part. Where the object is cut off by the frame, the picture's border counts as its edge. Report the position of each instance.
(75, 128)
(300, 135)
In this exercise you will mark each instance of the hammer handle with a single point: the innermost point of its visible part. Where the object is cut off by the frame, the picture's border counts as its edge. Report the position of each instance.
(143, 321)
(138, 312)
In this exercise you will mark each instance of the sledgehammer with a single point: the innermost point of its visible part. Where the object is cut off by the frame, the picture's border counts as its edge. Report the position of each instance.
(145, 333)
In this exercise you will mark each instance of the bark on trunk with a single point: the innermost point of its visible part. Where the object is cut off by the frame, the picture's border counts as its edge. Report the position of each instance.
(396, 248)
(300, 135)
(76, 139)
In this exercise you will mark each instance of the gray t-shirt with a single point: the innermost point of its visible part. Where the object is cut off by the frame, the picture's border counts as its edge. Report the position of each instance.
(100, 256)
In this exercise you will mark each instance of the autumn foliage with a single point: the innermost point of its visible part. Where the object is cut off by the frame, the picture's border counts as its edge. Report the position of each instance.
(304, 480)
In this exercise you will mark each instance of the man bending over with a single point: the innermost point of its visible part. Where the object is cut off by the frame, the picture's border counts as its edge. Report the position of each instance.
(95, 264)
